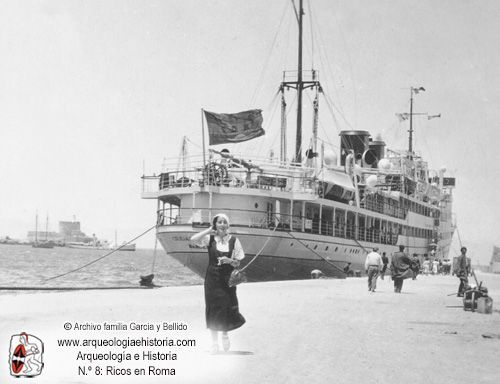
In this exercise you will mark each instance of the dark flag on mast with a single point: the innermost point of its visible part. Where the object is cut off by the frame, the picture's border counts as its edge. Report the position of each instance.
(234, 127)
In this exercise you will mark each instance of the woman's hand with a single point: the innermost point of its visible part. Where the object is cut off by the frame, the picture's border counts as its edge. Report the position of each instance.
(227, 260)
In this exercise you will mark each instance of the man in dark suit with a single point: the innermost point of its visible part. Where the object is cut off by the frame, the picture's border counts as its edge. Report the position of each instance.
(385, 261)
(462, 271)
(401, 268)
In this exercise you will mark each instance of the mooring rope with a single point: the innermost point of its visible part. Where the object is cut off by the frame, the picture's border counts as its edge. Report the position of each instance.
(67, 288)
(317, 254)
(260, 251)
(154, 254)
(102, 257)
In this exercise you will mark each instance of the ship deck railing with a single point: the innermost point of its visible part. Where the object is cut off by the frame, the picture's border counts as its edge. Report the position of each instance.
(333, 226)
(233, 173)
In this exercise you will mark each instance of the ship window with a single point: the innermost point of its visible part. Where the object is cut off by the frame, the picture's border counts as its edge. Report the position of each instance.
(376, 230)
(361, 227)
(383, 232)
(351, 225)
(256, 205)
(339, 223)
(327, 221)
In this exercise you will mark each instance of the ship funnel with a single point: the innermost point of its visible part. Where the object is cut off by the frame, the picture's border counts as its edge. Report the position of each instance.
(356, 141)
(375, 153)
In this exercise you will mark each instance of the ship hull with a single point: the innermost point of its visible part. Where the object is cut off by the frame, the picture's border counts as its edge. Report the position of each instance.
(283, 255)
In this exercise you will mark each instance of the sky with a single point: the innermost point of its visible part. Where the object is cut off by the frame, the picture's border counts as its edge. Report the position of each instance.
(93, 94)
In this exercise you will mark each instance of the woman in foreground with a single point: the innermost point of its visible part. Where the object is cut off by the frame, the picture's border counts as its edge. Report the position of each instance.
(221, 304)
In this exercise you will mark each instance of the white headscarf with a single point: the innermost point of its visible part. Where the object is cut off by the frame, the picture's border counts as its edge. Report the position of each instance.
(224, 216)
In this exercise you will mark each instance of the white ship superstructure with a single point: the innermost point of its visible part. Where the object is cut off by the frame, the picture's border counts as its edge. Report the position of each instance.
(317, 218)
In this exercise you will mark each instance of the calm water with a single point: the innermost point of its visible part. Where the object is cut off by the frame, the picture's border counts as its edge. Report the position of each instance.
(25, 266)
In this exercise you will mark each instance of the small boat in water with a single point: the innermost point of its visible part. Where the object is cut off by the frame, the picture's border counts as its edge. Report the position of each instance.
(91, 246)
(45, 243)
(126, 247)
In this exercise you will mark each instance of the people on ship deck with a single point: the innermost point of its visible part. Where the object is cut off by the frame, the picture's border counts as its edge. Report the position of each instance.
(221, 303)
(401, 268)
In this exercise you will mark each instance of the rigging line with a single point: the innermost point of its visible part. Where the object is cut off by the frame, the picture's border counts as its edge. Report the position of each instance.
(250, 145)
(329, 144)
(349, 60)
(295, 10)
(328, 68)
(334, 106)
(336, 121)
(154, 251)
(459, 239)
(321, 124)
(272, 117)
(192, 142)
(312, 32)
(264, 68)
(317, 254)
(102, 257)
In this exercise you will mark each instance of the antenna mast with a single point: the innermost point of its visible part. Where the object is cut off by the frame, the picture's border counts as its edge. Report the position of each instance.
(410, 136)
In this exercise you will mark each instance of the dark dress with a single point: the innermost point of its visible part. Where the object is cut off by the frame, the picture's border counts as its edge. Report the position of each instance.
(401, 269)
(222, 312)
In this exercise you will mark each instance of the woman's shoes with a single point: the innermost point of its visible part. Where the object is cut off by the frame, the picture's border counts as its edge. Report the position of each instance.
(225, 342)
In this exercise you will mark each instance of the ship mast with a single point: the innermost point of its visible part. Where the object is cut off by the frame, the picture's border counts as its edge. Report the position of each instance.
(410, 136)
(300, 85)
(298, 139)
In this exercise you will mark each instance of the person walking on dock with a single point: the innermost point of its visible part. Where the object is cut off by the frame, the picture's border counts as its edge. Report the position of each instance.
(415, 266)
(221, 304)
(373, 264)
(385, 261)
(401, 268)
(462, 271)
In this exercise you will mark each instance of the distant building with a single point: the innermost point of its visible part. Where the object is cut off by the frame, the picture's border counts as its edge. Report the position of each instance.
(495, 260)
(69, 231)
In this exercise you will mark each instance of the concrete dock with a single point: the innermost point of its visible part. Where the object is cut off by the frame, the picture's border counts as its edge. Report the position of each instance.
(314, 331)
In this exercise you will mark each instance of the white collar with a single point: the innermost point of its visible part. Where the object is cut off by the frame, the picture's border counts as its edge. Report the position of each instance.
(222, 240)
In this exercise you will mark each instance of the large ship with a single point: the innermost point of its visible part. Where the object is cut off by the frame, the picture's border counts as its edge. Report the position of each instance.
(320, 210)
